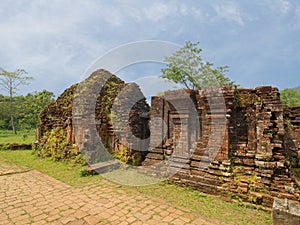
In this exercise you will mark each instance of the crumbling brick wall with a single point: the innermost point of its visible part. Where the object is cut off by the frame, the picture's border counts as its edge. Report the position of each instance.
(239, 145)
(236, 142)
(81, 120)
(292, 134)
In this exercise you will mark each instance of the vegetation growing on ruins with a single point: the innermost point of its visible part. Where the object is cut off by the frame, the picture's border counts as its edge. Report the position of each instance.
(187, 67)
(53, 144)
(243, 100)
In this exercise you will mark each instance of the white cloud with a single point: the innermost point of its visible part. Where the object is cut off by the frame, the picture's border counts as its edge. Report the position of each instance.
(183, 10)
(230, 11)
(152, 85)
(158, 11)
(60, 38)
(282, 7)
(296, 21)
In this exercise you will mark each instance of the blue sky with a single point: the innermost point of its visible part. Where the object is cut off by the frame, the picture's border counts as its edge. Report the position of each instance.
(56, 41)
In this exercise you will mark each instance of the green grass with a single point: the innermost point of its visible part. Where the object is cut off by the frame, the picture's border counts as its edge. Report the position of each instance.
(210, 206)
(25, 136)
(129, 177)
(65, 172)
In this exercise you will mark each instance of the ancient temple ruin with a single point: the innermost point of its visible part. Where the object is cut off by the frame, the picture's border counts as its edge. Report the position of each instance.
(230, 141)
(81, 121)
(241, 147)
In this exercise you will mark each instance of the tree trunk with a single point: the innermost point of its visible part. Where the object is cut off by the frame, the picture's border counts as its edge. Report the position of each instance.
(11, 107)
(13, 124)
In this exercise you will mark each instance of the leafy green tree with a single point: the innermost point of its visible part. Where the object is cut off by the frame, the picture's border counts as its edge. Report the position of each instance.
(10, 81)
(33, 105)
(26, 109)
(187, 67)
(4, 112)
(290, 97)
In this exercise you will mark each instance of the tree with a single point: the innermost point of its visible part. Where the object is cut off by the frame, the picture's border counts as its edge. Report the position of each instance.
(26, 109)
(290, 97)
(10, 81)
(186, 67)
(4, 120)
(34, 103)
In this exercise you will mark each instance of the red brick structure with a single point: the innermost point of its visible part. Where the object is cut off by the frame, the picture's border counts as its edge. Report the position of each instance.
(83, 120)
(237, 142)
(235, 146)
(292, 135)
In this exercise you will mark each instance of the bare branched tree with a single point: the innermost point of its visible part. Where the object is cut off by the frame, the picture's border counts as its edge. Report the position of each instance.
(10, 81)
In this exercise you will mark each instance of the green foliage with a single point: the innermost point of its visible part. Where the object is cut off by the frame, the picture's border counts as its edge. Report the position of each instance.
(296, 173)
(288, 122)
(187, 67)
(290, 97)
(121, 154)
(33, 104)
(23, 136)
(26, 109)
(244, 100)
(209, 206)
(53, 144)
(84, 172)
(5, 146)
(10, 81)
(66, 172)
(160, 94)
(294, 161)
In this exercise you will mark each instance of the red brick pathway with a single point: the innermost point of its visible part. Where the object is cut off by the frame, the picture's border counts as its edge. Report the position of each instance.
(30, 197)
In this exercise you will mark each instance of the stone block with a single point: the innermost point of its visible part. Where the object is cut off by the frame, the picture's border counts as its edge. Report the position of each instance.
(285, 212)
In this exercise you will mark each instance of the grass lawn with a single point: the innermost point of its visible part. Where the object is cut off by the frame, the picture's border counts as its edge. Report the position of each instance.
(25, 136)
(210, 206)
(62, 171)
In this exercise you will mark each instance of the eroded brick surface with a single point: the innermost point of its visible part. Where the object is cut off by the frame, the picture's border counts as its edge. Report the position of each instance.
(239, 145)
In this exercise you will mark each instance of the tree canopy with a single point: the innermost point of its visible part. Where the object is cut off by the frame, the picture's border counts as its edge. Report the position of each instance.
(290, 97)
(10, 81)
(187, 67)
(20, 112)
(26, 109)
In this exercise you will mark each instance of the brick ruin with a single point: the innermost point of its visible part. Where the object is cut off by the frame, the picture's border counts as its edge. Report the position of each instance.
(235, 142)
(250, 162)
(80, 121)
(292, 135)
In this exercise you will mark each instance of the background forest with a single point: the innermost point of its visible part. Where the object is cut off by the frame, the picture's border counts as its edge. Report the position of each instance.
(25, 109)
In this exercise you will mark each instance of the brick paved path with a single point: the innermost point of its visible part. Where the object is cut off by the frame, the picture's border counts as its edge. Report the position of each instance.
(30, 197)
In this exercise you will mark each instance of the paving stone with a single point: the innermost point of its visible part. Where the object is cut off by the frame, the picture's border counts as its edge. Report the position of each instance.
(91, 220)
(78, 222)
(79, 206)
